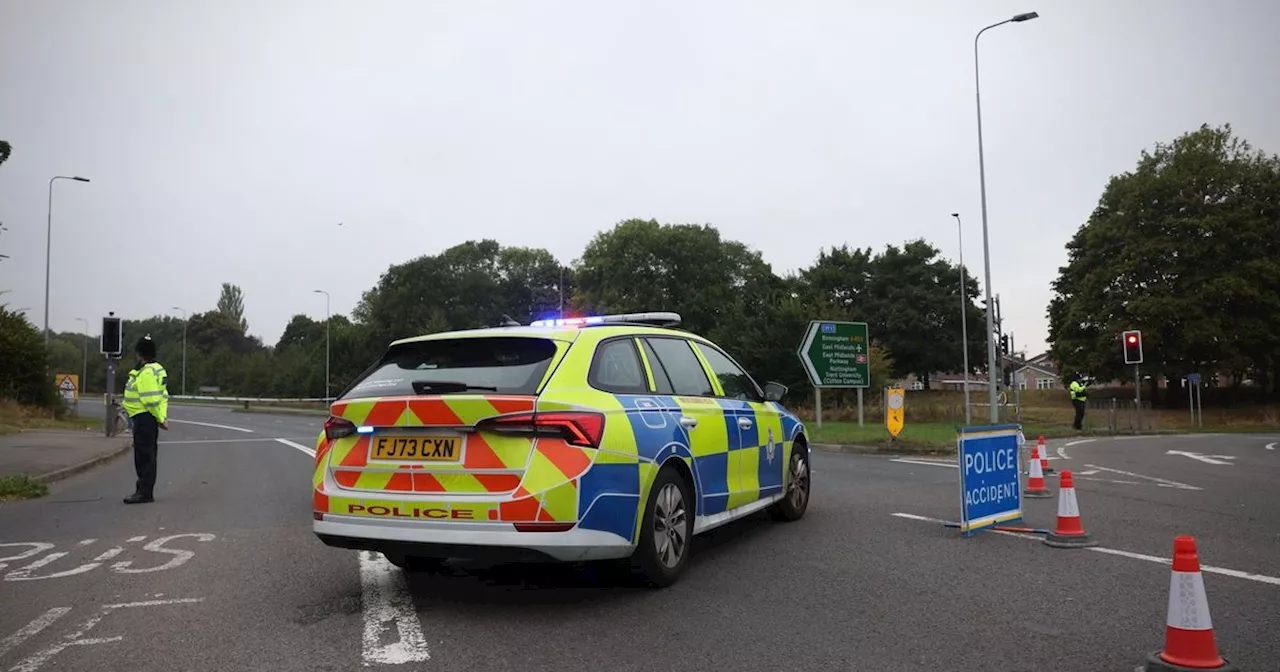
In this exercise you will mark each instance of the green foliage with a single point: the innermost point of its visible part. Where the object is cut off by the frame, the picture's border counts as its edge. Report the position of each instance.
(21, 487)
(1186, 247)
(5, 150)
(231, 305)
(22, 362)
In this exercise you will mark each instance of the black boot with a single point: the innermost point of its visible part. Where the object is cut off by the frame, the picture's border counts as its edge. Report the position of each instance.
(138, 498)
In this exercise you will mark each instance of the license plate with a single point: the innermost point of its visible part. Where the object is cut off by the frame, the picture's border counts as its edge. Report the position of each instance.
(417, 448)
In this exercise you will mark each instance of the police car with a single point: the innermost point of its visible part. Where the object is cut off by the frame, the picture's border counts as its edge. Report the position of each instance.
(605, 437)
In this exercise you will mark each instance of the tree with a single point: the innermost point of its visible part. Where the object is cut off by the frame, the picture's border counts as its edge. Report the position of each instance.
(642, 265)
(231, 304)
(1186, 247)
(5, 150)
(909, 298)
(22, 362)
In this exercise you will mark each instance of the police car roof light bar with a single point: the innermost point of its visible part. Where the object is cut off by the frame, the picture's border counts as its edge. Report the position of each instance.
(653, 319)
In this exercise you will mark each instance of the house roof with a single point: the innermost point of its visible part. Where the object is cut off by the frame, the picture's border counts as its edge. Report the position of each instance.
(1047, 368)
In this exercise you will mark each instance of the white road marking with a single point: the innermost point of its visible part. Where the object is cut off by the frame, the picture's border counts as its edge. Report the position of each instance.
(299, 446)
(34, 627)
(210, 424)
(1260, 578)
(1111, 480)
(1272, 445)
(1161, 481)
(180, 556)
(37, 547)
(163, 443)
(387, 603)
(76, 638)
(1235, 573)
(1207, 459)
(928, 463)
(27, 573)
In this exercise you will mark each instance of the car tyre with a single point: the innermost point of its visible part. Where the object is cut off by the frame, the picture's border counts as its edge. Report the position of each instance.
(666, 531)
(795, 500)
(416, 564)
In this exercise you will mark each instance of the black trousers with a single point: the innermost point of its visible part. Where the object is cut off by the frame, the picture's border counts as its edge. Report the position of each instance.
(146, 432)
(1079, 404)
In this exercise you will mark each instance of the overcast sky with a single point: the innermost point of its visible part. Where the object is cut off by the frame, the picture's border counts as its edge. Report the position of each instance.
(225, 140)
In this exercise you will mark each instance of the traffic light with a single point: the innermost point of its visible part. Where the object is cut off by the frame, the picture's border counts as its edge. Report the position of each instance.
(1132, 347)
(1004, 344)
(112, 337)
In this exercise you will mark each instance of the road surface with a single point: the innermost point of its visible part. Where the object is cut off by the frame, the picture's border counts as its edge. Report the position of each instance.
(222, 572)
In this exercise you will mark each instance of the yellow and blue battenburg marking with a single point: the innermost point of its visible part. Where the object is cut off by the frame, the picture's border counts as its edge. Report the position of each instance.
(733, 463)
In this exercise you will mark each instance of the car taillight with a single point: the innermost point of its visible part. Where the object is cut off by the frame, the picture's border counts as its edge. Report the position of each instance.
(577, 428)
(336, 428)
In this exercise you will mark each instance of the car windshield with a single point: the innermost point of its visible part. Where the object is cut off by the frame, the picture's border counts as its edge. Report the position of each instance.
(502, 365)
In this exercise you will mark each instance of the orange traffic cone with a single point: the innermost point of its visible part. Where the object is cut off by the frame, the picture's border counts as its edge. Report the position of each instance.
(1188, 632)
(1069, 532)
(1044, 456)
(1036, 488)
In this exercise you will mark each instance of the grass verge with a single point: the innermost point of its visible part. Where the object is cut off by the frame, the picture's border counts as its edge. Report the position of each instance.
(16, 418)
(20, 487)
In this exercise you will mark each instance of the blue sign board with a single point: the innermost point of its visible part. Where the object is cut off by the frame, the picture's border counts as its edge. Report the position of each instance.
(990, 490)
(1193, 378)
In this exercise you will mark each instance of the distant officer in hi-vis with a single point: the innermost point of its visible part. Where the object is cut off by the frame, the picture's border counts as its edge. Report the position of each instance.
(146, 401)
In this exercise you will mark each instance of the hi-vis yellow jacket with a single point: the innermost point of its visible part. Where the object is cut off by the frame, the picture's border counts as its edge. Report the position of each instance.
(148, 392)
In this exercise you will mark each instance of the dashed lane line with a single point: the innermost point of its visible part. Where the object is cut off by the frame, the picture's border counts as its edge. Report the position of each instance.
(928, 463)
(297, 446)
(210, 424)
(165, 443)
(1234, 573)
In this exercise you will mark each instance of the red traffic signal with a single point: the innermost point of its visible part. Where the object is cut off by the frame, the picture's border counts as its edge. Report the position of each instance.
(1133, 347)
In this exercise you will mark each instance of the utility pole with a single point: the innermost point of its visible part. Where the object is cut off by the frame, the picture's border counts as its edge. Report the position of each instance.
(326, 342)
(982, 185)
(184, 349)
(964, 323)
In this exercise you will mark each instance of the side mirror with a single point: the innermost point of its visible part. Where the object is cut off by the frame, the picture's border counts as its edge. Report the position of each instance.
(775, 391)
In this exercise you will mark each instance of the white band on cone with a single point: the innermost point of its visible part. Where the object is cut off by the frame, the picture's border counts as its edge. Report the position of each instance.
(1035, 469)
(1067, 506)
(1188, 604)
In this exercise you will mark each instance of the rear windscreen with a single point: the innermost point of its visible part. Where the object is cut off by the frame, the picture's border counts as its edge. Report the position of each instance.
(459, 366)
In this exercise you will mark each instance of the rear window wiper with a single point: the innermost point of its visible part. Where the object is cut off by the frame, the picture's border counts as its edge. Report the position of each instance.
(446, 386)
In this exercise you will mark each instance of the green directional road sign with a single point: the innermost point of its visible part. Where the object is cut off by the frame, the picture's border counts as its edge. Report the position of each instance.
(835, 354)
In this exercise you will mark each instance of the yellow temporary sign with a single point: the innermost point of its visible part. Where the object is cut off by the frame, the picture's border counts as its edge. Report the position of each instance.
(895, 399)
(68, 385)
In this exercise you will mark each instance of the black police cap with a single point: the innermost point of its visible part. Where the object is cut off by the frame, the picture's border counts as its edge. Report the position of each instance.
(146, 347)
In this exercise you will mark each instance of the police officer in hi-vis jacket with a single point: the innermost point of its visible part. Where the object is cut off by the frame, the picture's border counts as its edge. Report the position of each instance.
(146, 401)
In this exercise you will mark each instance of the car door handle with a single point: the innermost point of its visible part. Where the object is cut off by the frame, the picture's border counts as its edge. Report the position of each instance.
(744, 423)
(689, 422)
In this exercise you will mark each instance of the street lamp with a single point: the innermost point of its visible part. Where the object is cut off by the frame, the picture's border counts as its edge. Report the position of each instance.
(48, 249)
(986, 247)
(326, 342)
(84, 368)
(184, 348)
(964, 323)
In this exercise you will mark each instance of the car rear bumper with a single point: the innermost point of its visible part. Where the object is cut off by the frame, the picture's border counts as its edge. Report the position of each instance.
(477, 541)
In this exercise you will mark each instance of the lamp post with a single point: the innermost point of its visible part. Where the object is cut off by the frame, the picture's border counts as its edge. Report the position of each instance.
(964, 322)
(184, 348)
(326, 342)
(84, 366)
(992, 364)
(48, 249)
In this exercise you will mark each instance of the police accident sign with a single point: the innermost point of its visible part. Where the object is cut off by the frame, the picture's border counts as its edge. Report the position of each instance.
(990, 489)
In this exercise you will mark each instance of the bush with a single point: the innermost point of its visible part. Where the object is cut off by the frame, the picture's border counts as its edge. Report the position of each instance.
(23, 369)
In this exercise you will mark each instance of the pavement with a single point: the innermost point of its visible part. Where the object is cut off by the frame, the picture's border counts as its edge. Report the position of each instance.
(222, 572)
(47, 455)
